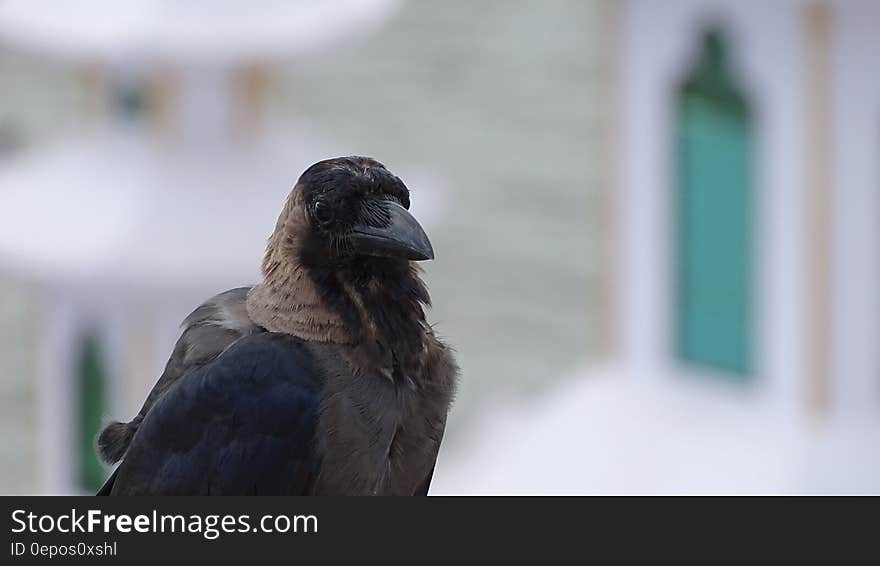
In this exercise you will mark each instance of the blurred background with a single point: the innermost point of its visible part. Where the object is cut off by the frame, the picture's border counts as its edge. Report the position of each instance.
(656, 223)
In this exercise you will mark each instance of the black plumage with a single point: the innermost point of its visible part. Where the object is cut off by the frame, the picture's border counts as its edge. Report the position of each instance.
(325, 378)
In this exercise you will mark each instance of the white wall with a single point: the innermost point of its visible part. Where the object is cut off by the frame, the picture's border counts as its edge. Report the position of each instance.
(855, 357)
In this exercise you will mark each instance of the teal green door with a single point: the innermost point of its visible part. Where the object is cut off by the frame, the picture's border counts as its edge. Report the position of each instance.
(91, 377)
(715, 218)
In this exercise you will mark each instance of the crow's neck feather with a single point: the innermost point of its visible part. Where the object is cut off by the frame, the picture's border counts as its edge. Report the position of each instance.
(375, 306)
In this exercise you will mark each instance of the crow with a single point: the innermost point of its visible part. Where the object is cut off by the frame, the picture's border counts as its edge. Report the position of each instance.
(322, 379)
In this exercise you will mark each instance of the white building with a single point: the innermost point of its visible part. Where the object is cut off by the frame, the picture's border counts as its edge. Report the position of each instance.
(744, 177)
(807, 179)
(118, 232)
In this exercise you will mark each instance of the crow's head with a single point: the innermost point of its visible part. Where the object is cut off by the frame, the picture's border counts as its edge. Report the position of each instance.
(350, 208)
(339, 264)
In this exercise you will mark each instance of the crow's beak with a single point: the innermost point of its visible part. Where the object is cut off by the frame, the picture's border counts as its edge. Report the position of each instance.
(402, 237)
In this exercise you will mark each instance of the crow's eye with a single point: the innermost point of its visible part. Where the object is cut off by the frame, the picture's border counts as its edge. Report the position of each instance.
(322, 212)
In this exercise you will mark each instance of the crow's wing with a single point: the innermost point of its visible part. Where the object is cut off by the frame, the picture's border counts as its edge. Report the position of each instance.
(207, 332)
(241, 425)
(437, 438)
(426, 484)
